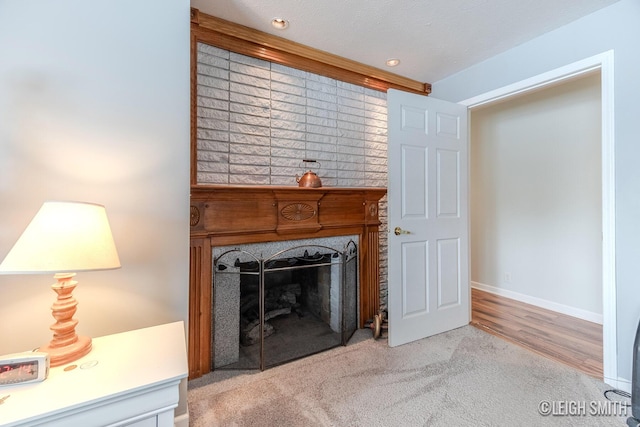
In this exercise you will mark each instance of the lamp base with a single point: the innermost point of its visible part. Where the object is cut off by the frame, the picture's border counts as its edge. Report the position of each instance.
(62, 355)
(66, 346)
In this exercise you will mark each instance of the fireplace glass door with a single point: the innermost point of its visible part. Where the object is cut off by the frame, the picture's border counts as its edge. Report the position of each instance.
(297, 302)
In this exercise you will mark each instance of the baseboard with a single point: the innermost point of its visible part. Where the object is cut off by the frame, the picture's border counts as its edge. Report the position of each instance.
(181, 420)
(542, 303)
(618, 383)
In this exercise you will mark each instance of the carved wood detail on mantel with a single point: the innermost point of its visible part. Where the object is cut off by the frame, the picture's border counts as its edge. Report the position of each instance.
(224, 215)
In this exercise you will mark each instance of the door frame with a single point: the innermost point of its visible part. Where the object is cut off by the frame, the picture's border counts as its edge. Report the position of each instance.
(603, 62)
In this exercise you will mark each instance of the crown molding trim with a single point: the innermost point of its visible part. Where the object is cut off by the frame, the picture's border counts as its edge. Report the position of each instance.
(248, 41)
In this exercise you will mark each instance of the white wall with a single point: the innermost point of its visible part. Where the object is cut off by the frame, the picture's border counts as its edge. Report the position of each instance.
(94, 106)
(536, 214)
(613, 28)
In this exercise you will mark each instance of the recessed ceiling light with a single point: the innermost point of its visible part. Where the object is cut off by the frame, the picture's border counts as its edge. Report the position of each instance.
(393, 62)
(279, 23)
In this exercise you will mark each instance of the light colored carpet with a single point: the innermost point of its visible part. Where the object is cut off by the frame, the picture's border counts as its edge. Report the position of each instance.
(464, 377)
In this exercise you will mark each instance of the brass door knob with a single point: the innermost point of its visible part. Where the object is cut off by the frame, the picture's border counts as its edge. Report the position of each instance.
(398, 231)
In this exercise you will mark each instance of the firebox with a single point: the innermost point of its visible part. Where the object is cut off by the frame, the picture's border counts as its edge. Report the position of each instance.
(290, 304)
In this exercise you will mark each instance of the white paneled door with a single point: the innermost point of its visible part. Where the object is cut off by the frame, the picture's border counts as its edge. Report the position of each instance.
(428, 217)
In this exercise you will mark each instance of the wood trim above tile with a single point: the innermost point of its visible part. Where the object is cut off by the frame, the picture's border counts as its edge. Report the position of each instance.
(248, 41)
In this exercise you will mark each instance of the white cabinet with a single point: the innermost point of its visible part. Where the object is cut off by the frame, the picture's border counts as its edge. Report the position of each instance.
(128, 379)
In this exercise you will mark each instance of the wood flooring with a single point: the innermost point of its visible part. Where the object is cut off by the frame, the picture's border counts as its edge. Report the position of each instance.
(566, 339)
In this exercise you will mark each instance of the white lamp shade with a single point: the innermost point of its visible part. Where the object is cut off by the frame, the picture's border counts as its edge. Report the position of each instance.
(64, 237)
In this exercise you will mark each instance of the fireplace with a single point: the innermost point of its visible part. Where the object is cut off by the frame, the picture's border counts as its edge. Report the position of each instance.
(228, 216)
(273, 305)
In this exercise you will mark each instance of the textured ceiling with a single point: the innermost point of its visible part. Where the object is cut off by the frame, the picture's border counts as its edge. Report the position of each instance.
(432, 38)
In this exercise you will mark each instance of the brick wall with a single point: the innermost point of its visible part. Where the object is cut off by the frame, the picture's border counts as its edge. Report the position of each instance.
(257, 120)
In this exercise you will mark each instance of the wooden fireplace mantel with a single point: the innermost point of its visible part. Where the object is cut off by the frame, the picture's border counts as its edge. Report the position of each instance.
(224, 215)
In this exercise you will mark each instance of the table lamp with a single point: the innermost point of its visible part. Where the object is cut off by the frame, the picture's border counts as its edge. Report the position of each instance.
(64, 238)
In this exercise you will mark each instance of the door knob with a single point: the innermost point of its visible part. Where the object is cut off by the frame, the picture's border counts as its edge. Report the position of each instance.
(398, 231)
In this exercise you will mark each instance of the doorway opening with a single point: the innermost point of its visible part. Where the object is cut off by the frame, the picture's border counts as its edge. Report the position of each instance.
(602, 63)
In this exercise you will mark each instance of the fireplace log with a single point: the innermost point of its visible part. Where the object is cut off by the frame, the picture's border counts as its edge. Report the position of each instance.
(251, 333)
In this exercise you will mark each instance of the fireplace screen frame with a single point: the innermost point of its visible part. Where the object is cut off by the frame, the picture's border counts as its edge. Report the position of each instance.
(226, 322)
